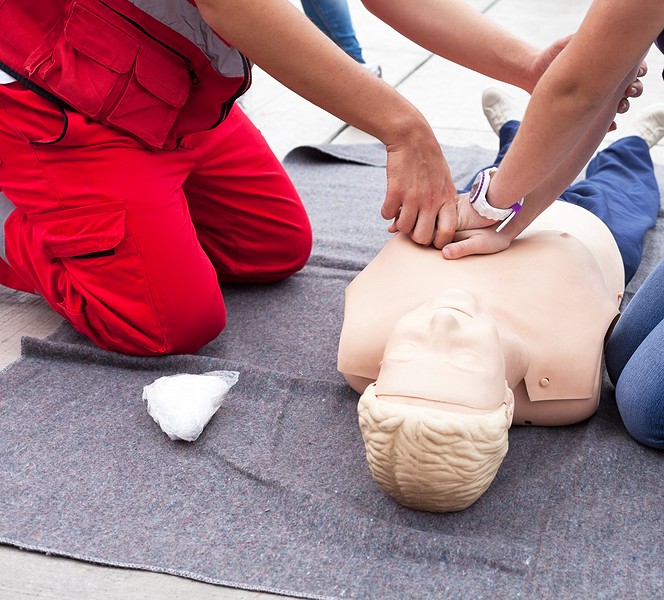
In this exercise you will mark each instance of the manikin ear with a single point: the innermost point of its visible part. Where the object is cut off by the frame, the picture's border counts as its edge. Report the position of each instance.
(428, 458)
(509, 402)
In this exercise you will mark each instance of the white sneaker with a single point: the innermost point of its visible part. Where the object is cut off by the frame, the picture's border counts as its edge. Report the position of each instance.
(648, 125)
(499, 108)
(374, 69)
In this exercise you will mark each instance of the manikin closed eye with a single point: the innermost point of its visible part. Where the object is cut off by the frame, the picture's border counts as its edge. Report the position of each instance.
(447, 351)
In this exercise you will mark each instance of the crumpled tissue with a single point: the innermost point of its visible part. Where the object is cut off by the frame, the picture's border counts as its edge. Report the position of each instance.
(183, 404)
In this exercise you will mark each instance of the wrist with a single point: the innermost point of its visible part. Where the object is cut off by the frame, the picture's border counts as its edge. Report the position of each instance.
(479, 200)
(497, 196)
(532, 71)
(405, 124)
(523, 67)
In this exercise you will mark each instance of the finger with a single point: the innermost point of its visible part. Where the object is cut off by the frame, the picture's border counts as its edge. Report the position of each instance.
(424, 229)
(623, 106)
(457, 250)
(446, 225)
(394, 195)
(441, 238)
(466, 244)
(643, 69)
(391, 207)
(392, 228)
(405, 221)
(635, 90)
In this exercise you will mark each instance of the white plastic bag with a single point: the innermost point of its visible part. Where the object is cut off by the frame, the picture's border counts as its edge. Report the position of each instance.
(182, 405)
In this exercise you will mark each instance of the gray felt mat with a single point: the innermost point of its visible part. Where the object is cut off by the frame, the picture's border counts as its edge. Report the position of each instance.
(275, 495)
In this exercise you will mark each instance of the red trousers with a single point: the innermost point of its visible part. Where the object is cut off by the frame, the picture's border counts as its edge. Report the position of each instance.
(128, 244)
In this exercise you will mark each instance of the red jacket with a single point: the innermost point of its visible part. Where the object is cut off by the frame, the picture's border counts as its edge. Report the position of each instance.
(154, 70)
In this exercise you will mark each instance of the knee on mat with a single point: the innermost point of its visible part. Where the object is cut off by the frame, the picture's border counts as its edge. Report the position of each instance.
(192, 333)
(298, 250)
(297, 261)
(183, 328)
(286, 259)
(193, 321)
(641, 409)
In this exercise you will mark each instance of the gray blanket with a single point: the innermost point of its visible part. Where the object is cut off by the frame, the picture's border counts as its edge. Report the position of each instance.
(276, 495)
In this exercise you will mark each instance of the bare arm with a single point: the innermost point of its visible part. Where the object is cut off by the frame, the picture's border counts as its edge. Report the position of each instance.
(591, 72)
(486, 240)
(456, 31)
(282, 41)
(421, 195)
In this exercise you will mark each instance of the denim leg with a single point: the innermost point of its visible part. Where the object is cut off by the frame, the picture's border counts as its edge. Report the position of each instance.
(640, 391)
(620, 188)
(332, 17)
(644, 312)
(505, 137)
(635, 361)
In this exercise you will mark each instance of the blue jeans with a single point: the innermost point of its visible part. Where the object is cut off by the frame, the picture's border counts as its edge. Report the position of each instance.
(332, 17)
(620, 188)
(635, 361)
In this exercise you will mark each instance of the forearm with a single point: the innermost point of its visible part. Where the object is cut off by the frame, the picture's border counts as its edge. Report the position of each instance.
(283, 42)
(420, 197)
(456, 31)
(570, 166)
(487, 239)
(572, 101)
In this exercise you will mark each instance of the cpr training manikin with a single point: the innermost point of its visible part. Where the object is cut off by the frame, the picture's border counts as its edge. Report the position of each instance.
(447, 355)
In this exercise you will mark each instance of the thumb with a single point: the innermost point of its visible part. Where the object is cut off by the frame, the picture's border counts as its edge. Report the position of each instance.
(460, 249)
(479, 241)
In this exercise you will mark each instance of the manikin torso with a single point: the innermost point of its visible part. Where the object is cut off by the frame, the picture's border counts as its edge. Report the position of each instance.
(552, 295)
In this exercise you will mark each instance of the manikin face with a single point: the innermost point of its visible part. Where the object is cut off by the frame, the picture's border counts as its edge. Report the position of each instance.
(448, 351)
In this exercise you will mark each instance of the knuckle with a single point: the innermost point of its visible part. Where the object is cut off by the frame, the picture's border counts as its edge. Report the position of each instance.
(421, 239)
(446, 227)
(404, 226)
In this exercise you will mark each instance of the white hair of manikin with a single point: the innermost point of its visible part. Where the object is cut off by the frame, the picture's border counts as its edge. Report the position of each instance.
(433, 459)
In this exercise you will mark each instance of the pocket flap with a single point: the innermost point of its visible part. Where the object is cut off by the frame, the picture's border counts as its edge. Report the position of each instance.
(80, 231)
(165, 78)
(100, 40)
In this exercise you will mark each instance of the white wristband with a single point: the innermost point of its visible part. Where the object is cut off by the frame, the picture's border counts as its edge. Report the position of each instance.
(479, 202)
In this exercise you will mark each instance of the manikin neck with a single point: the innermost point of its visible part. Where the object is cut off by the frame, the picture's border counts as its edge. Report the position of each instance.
(517, 357)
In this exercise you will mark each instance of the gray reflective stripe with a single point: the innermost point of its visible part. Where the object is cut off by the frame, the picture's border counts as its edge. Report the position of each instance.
(6, 208)
(184, 18)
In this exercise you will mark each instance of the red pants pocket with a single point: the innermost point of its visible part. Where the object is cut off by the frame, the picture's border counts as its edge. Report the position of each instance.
(96, 278)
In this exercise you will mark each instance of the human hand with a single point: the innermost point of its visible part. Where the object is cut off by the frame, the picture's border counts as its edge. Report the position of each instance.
(475, 234)
(476, 241)
(468, 217)
(634, 90)
(421, 196)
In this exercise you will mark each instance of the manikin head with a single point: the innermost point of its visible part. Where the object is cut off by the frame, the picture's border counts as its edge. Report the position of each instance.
(435, 422)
